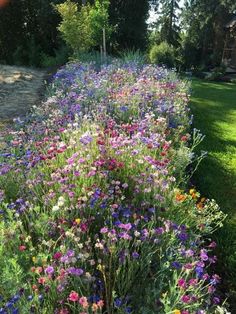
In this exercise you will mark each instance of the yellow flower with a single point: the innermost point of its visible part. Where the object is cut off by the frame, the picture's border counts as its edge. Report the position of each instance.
(177, 312)
(78, 220)
(192, 191)
(101, 268)
(34, 259)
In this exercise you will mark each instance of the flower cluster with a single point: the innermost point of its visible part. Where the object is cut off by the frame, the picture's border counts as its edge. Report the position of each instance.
(94, 204)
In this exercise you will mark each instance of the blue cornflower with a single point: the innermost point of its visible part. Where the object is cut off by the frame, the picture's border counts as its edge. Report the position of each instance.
(117, 302)
(182, 237)
(9, 305)
(128, 309)
(40, 297)
(199, 271)
(30, 298)
(15, 298)
(176, 265)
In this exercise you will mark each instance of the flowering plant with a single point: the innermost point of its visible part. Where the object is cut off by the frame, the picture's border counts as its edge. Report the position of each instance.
(96, 216)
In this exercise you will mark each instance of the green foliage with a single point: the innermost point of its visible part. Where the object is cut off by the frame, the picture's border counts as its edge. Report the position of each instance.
(60, 58)
(25, 31)
(162, 54)
(216, 74)
(75, 26)
(128, 17)
(135, 56)
(99, 19)
(82, 28)
(167, 22)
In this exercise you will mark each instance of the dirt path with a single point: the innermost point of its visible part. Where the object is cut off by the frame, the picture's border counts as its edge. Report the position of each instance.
(20, 89)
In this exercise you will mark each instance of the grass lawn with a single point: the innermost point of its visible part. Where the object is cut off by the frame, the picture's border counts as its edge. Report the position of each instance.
(214, 108)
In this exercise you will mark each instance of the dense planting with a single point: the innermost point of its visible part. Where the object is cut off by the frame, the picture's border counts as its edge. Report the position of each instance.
(96, 216)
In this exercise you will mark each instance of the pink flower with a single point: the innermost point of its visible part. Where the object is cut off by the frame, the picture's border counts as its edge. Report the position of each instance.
(104, 230)
(63, 311)
(212, 245)
(84, 302)
(126, 227)
(22, 248)
(74, 297)
(193, 282)
(100, 303)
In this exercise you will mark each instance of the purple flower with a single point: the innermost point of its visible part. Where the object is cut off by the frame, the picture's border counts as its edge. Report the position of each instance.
(216, 300)
(75, 271)
(182, 237)
(126, 227)
(49, 270)
(70, 253)
(104, 230)
(135, 255)
(203, 255)
(159, 230)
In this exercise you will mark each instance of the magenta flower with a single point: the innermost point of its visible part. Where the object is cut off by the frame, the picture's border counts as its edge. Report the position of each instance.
(182, 283)
(186, 298)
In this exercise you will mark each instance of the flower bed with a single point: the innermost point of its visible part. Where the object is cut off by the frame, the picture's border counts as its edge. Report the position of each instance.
(95, 214)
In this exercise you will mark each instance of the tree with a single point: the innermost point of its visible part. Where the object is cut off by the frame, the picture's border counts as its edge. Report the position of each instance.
(82, 26)
(129, 18)
(28, 28)
(168, 21)
(204, 28)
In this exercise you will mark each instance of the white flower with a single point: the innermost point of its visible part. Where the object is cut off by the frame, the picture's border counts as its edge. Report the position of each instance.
(55, 208)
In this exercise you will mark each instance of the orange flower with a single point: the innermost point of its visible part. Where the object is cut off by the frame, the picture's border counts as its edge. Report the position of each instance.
(180, 197)
(200, 205)
(94, 307)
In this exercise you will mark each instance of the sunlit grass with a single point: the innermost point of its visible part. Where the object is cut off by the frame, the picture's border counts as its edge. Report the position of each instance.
(214, 109)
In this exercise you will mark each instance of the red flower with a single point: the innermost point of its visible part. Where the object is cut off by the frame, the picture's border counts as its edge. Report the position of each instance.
(57, 255)
(22, 248)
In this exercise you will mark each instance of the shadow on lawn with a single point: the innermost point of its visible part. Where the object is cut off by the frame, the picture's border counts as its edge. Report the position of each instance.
(214, 108)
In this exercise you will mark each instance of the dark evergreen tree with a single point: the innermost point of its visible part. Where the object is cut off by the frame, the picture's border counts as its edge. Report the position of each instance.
(204, 28)
(129, 18)
(168, 20)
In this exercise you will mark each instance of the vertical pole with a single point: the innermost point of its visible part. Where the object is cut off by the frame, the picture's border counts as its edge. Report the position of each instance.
(101, 52)
(104, 44)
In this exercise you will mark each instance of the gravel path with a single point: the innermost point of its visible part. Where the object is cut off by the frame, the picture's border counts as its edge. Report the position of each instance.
(20, 89)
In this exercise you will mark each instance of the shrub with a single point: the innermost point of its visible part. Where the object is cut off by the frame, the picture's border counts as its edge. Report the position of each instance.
(162, 54)
(60, 57)
(135, 56)
(216, 74)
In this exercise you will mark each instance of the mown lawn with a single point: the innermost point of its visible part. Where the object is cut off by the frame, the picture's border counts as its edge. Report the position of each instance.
(214, 108)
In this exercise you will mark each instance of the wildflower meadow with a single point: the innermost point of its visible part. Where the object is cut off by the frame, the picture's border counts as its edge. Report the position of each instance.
(97, 212)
